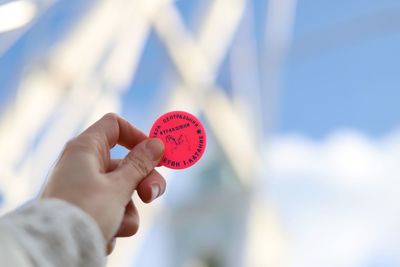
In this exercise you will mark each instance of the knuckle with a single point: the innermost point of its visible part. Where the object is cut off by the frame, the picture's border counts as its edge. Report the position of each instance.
(138, 164)
(75, 145)
(71, 146)
(111, 115)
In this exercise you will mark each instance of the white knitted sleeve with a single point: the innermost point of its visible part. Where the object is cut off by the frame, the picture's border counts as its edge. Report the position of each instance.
(50, 233)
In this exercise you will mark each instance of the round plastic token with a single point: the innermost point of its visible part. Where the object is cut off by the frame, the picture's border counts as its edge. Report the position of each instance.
(183, 136)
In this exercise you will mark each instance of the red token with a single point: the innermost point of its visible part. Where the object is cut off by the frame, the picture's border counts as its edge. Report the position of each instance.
(183, 136)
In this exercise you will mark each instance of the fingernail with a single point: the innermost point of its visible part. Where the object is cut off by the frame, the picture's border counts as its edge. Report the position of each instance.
(155, 147)
(155, 191)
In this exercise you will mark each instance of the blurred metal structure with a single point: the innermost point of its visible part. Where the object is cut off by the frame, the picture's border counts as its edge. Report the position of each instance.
(63, 94)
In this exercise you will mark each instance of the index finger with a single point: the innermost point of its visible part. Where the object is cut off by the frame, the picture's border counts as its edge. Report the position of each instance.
(110, 130)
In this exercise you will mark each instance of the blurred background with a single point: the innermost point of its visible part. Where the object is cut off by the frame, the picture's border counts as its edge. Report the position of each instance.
(299, 99)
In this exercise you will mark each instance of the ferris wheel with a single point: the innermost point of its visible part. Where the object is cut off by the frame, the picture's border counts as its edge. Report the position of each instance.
(88, 70)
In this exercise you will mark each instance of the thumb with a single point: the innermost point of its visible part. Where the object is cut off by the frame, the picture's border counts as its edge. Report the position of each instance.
(139, 162)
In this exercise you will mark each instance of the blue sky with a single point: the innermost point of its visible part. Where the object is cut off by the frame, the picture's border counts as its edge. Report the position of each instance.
(345, 84)
(352, 84)
(348, 76)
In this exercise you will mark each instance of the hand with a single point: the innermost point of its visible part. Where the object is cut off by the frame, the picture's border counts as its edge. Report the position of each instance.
(86, 176)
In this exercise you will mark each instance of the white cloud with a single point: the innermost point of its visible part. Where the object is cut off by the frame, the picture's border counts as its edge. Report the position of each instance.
(347, 158)
(338, 197)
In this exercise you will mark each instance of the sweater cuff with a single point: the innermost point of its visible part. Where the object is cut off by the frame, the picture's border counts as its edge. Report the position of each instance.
(53, 232)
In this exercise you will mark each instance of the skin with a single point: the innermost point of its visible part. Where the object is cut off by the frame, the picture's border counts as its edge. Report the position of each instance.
(87, 177)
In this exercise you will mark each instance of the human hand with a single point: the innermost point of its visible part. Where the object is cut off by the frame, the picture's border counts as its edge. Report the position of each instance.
(87, 177)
